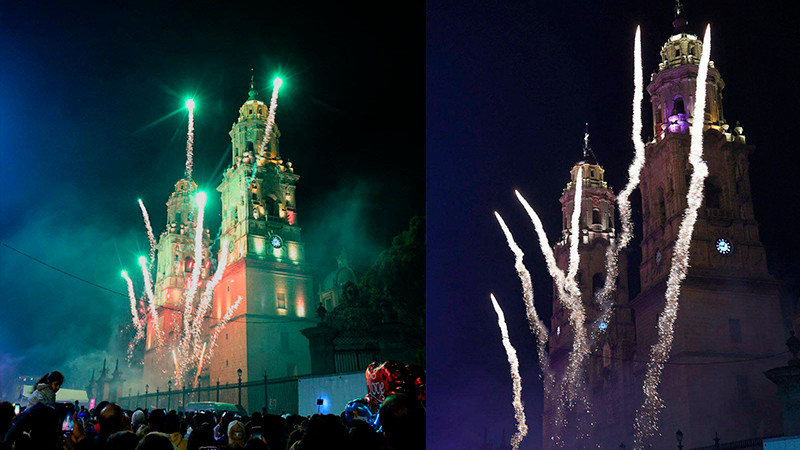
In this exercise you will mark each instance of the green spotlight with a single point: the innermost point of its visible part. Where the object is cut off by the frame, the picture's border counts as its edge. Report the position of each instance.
(201, 199)
(190, 104)
(277, 82)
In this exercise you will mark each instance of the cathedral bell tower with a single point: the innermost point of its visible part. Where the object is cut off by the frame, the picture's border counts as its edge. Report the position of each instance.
(729, 304)
(617, 337)
(266, 262)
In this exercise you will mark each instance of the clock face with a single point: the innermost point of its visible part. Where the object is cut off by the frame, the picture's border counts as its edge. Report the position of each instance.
(724, 246)
(276, 241)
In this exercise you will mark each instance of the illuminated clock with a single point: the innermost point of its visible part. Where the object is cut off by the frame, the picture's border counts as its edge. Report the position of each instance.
(276, 241)
(724, 246)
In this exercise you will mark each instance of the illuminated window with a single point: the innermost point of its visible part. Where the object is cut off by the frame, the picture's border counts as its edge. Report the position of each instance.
(281, 300)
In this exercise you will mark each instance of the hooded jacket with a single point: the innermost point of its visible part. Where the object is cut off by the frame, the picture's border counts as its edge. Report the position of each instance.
(43, 393)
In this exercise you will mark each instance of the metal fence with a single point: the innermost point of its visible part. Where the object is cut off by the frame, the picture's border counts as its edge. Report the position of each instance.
(274, 396)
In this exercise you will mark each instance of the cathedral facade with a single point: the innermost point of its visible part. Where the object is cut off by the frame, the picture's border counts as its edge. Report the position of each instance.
(729, 320)
(265, 268)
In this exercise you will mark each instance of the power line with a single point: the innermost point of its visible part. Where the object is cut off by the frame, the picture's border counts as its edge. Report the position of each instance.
(61, 270)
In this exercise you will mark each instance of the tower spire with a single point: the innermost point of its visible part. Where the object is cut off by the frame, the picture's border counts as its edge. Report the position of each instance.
(588, 153)
(679, 22)
(253, 94)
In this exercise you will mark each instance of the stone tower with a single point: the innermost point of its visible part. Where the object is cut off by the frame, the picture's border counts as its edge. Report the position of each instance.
(266, 263)
(173, 267)
(729, 304)
(617, 342)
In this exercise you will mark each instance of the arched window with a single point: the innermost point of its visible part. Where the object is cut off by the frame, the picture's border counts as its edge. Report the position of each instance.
(677, 107)
(250, 147)
(597, 282)
(596, 216)
(713, 193)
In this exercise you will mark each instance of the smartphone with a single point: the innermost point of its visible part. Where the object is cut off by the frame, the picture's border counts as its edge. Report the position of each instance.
(256, 432)
(67, 424)
(16, 409)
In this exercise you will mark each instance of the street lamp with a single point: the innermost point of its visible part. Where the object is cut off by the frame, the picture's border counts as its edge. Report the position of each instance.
(679, 437)
(169, 395)
(146, 388)
(239, 371)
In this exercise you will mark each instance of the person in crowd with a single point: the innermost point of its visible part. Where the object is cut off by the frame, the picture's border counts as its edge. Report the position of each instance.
(36, 428)
(155, 422)
(110, 421)
(122, 440)
(236, 434)
(6, 416)
(323, 432)
(172, 426)
(155, 441)
(46, 388)
(137, 420)
(402, 420)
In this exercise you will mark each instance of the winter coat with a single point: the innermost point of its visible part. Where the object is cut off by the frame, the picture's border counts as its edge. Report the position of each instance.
(178, 441)
(42, 394)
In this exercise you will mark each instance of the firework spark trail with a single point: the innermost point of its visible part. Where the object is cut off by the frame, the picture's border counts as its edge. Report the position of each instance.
(205, 301)
(150, 235)
(646, 423)
(137, 322)
(190, 139)
(537, 326)
(225, 319)
(547, 250)
(577, 315)
(148, 290)
(603, 297)
(191, 291)
(516, 380)
(273, 107)
(200, 364)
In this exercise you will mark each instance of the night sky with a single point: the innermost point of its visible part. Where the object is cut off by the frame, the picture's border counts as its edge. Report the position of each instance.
(92, 118)
(509, 87)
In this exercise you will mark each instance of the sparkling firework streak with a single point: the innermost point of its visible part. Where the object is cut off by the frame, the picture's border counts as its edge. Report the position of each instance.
(516, 380)
(273, 107)
(205, 300)
(177, 366)
(603, 296)
(200, 364)
(137, 323)
(646, 422)
(537, 326)
(547, 250)
(190, 140)
(148, 289)
(194, 280)
(221, 325)
(573, 377)
(150, 235)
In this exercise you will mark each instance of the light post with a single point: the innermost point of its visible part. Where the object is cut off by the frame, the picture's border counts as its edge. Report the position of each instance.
(169, 395)
(217, 389)
(156, 398)
(146, 388)
(266, 397)
(239, 372)
(679, 437)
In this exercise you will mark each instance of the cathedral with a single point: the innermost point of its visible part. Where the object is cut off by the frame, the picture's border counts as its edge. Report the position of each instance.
(266, 268)
(729, 318)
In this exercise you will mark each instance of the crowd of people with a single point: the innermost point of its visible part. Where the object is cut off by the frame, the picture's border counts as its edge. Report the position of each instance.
(45, 424)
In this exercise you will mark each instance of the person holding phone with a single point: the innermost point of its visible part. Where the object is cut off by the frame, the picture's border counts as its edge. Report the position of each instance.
(46, 388)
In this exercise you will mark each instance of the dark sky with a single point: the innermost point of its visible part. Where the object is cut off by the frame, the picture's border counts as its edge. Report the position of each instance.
(509, 87)
(92, 118)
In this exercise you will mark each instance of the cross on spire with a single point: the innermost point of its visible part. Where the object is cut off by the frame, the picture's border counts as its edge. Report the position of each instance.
(253, 94)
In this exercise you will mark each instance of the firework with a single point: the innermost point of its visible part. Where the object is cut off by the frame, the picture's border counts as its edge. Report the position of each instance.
(646, 422)
(190, 139)
(516, 380)
(150, 237)
(537, 326)
(273, 107)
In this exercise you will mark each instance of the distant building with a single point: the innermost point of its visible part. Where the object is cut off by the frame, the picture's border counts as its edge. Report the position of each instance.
(729, 303)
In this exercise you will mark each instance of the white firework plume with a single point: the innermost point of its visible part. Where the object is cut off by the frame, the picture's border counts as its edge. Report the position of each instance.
(646, 422)
(537, 326)
(150, 237)
(190, 140)
(273, 107)
(220, 326)
(137, 322)
(604, 296)
(516, 379)
(194, 279)
(205, 301)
